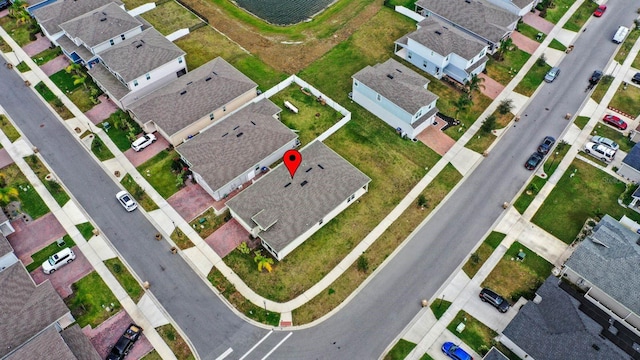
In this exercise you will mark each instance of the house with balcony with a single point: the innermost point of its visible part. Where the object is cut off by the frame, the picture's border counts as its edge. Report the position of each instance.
(443, 50)
(397, 95)
(284, 211)
(185, 106)
(237, 148)
(484, 21)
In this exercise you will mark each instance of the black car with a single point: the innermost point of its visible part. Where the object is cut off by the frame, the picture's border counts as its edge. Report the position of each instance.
(534, 160)
(546, 145)
(595, 77)
(4, 4)
(494, 299)
(636, 78)
(125, 342)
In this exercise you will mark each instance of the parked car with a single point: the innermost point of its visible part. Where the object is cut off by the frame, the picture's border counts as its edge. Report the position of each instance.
(4, 4)
(125, 342)
(599, 151)
(615, 122)
(143, 141)
(546, 145)
(595, 77)
(534, 160)
(126, 200)
(606, 142)
(494, 299)
(455, 352)
(58, 260)
(552, 74)
(600, 10)
(636, 78)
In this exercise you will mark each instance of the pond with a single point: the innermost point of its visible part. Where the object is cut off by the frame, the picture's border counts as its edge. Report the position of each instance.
(284, 12)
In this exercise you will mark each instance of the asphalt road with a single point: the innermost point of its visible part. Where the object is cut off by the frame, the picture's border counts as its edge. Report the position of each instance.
(371, 320)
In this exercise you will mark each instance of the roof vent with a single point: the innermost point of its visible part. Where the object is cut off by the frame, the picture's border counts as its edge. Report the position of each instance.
(190, 82)
(208, 78)
(304, 183)
(253, 122)
(467, 1)
(138, 43)
(390, 76)
(287, 184)
(214, 73)
(240, 134)
(597, 241)
(183, 92)
(103, 16)
(309, 169)
(320, 166)
(225, 134)
(398, 70)
(236, 128)
(596, 347)
(438, 32)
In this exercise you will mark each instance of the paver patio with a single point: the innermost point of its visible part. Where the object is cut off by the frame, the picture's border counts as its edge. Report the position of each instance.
(138, 158)
(63, 278)
(34, 235)
(190, 201)
(104, 336)
(435, 139)
(54, 65)
(524, 43)
(41, 44)
(5, 158)
(227, 237)
(101, 112)
(491, 88)
(533, 19)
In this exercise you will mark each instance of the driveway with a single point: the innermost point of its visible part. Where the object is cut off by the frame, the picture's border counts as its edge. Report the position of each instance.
(491, 88)
(227, 238)
(31, 237)
(435, 139)
(104, 336)
(5, 158)
(533, 19)
(190, 201)
(101, 112)
(138, 158)
(41, 44)
(54, 65)
(524, 43)
(63, 278)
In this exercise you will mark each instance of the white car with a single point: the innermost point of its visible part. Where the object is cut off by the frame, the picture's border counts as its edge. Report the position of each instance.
(143, 141)
(126, 201)
(606, 142)
(599, 151)
(58, 260)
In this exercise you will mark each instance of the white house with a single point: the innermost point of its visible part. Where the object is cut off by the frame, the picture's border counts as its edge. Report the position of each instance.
(284, 211)
(518, 7)
(441, 49)
(397, 95)
(630, 166)
(237, 148)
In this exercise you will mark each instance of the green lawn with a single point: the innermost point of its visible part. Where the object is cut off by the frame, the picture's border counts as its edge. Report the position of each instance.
(128, 282)
(559, 8)
(90, 299)
(601, 88)
(636, 62)
(79, 94)
(581, 121)
(530, 32)
(100, 150)
(153, 355)
(53, 100)
(8, 129)
(181, 239)
(400, 350)
(179, 347)
(121, 129)
(626, 46)
(20, 32)
(138, 193)
(157, 171)
(533, 79)
(589, 192)
(46, 55)
(30, 201)
(43, 254)
(554, 158)
(86, 229)
(555, 44)
(64, 81)
(526, 198)
(627, 100)
(169, 17)
(54, 188)
(476, 335)
(481, 141)
(483, 252)
(426, 357)
(4, 47)
(503, 71)
(513, 279)
(312, 119)
(23, 67)
(607, 131)
(439, 306)
(580, 17)
(207, 223)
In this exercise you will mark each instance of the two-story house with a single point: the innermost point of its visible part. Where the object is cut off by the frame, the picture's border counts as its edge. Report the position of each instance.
(518, 7)
(441, 49)
(397, 95)
(478, 18)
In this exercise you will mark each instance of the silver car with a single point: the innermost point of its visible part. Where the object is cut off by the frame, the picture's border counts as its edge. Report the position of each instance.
(552, 74)
(126, 201)
(606, 142)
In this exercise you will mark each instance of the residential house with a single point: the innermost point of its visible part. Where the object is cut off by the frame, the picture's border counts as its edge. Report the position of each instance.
(553, 326)
(138, 66)
(478, 18)
(284, 211)
(494, 354)
(7, 256)
(397, 95)
(630, 166)
(605, 265)
(237, 148)
(71, 343)
(53, 14)
(441, 49)
(517, 7)
(184, 107)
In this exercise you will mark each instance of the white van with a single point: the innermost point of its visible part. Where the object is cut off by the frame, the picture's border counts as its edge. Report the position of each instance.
(620, 34)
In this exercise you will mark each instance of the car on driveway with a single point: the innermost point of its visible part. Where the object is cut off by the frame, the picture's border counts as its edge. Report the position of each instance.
(534, 160)
(546, 145)
(455, 352)
(126, 200)
(143, 141)
(494, 299)
(606, 142)
(552, 74)
(599, 151)
(595, 77)
(600, 10)
(615, 122)
(636, 78)
(58, 260)
(125, 342)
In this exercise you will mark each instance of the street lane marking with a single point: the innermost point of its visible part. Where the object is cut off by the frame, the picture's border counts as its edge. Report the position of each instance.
(256, 345)
(225, 354)
(277, 346)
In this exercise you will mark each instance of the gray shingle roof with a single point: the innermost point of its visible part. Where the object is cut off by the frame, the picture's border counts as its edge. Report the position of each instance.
(101, 75)
(495, 354)
(47, 345)
(445, 39)
(397, 83)
(140, 54)
(5, 247)
(608, 267)
(633, 157)
(190, 97)
(556, 329)
(521, 3)
(328, 181)
(79, 343)
(25, 309)
(70, 47)
(51, 16)
(100, 25)
(237, 143)
(479, 17)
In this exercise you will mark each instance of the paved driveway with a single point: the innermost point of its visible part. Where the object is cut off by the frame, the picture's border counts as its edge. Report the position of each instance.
(5, 159)
(524, 43)
(63, 278)
(191, 201)
(34, 235)
(435, 139)
(36, 47)
(104, 336)
(533, 19)
(491, 88)
(54, 65)
(101, 112)
(139, 157)
(227, 238)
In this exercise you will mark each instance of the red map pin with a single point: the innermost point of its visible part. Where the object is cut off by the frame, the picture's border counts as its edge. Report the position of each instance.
(292, 160)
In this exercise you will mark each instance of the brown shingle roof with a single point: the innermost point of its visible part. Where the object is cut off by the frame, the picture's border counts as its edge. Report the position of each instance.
(51, 16)
(79, 343)
(100, 25)
(47, 345)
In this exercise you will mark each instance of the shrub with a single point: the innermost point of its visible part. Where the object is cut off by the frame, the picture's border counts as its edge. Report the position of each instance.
(505, 106)
(422, 200)
(488, 124)
(363, 264)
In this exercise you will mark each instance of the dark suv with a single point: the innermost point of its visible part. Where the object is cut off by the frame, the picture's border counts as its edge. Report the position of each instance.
(494, 299)
(595, 77)
(636, 78)
(4, 4)
(125, 342)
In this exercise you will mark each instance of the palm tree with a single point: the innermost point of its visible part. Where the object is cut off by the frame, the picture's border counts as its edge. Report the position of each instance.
(7, 194)
(74, 69)
(263, 261)
(505, 45)
(474, 84)
(16, 7)
(462, 103)
(80, 79)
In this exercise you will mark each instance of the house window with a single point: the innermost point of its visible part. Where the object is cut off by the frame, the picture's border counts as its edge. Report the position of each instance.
(135, 82)
(122, 37)
(257, 168)
(419, 113)
(437, 70)
(148, 76)
(424, 63)
(111, 42)
(211, 116)
(432, 53)
(379, 97)
(351, 198)
(355, 82)
(409, 54)
(180, 60)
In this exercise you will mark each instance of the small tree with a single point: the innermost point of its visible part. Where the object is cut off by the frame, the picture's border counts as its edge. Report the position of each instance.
(422, 201)
(542, 60)
(505, 106)
(8, 194)
(488, 124)
(475, 258)
(474, 84)
(263, 261)
(461, 104)
(363, 264)
(505, 45)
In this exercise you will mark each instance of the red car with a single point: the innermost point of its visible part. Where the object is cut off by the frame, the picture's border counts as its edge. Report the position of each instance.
(600, 10)
(615, 122)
